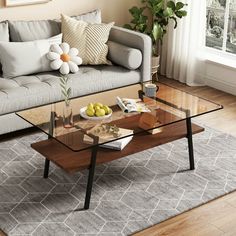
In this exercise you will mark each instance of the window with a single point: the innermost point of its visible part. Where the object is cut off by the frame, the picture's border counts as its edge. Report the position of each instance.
(221, 25)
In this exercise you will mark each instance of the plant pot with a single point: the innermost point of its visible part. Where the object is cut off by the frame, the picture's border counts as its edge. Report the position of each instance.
(155, 67)
(67, 116)
(155, 64)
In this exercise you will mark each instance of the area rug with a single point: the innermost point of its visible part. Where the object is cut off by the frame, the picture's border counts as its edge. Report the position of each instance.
(2, 233)
(129, 194)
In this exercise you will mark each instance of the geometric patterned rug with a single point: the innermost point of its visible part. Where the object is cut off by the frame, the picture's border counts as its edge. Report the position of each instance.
(129, 194)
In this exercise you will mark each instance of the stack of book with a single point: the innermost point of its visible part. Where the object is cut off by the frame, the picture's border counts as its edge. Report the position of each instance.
(111, 142)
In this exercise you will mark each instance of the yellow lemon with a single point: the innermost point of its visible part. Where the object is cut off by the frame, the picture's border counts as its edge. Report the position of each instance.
(109, 111)
(97, 107)
(90, 112)
(90, 106)
(100, 112)
(106, 108)
(98, 104)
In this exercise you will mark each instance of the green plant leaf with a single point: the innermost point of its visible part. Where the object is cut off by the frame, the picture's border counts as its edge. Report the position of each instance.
(168, 12)
(161, 12)
(68, 92)
(134, 21)
(181, 13)
(62, 80)
(171, 5)
(128, 26)
(136, 12)
(64, 94)
(157, 31)
(179, 5)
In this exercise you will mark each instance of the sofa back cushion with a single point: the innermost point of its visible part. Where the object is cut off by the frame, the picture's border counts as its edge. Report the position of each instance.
(90, 17)
(4, 35)
(22, 31)
(4, 31)
(24, 58)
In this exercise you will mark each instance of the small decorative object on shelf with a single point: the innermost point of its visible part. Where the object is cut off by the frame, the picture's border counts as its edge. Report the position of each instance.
(103, 129)
(67, 109)
(112, 133)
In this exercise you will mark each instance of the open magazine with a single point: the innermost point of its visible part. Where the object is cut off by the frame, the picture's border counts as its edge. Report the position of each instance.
(132, 105)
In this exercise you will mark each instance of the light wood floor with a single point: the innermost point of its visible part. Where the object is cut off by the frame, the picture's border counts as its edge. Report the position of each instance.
(219, 216)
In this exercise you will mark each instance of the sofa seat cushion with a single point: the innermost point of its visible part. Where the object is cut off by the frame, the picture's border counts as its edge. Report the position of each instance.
(28, 91)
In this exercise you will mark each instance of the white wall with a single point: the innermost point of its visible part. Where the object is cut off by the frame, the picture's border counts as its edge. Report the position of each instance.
(112, 10)
(221, 77)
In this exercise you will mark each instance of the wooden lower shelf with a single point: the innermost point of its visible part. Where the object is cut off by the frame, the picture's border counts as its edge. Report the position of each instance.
(71, 161)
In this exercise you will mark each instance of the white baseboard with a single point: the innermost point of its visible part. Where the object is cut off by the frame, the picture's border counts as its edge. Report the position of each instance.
(221, 85)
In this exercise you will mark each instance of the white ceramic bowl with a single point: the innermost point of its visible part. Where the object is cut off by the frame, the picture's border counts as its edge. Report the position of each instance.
(85, 116)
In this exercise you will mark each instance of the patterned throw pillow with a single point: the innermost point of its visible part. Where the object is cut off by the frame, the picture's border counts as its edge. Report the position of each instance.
(89, 38)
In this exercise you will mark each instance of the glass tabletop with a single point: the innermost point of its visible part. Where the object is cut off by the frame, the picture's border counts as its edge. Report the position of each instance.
(170, 105)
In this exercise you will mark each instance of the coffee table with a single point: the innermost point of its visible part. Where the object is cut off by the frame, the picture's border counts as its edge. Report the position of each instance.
(172, 108)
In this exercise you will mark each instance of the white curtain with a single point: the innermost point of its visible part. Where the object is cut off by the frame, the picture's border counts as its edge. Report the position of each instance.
(181, 58)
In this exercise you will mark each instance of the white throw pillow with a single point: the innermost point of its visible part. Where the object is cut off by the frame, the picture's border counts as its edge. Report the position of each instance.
(24, 58)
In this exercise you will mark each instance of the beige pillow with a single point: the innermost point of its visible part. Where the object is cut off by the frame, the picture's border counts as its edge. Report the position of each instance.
(89, 38)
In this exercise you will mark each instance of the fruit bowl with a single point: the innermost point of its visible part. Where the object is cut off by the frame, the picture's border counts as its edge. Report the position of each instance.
(85, 116)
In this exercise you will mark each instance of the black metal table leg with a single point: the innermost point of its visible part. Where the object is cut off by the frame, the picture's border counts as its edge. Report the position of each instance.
(190, 143)
(90, 178)
(51, 130)
(46, 168)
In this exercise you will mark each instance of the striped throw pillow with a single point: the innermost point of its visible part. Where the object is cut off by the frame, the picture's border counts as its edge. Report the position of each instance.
(89, 38)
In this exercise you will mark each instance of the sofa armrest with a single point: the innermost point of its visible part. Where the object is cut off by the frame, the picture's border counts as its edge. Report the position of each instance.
(135, 40)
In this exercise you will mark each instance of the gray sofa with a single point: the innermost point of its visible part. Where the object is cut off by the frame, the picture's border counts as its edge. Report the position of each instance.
(33, 90)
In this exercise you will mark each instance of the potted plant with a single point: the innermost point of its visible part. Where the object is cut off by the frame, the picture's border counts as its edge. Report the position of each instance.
(160, 13)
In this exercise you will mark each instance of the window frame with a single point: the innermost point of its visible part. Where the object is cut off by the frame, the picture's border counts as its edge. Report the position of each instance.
(223, 51)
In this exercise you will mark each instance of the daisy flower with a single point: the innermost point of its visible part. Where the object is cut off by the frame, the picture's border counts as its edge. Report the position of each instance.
(64, 58)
